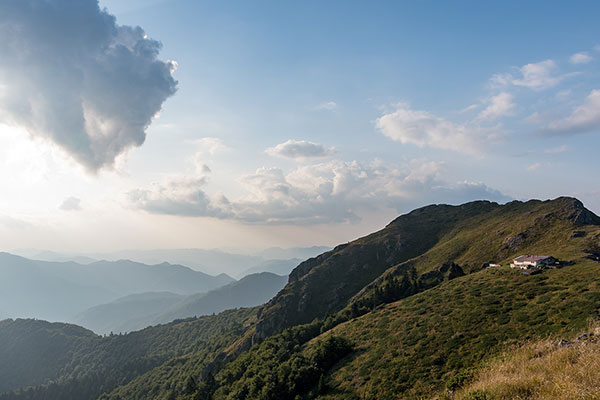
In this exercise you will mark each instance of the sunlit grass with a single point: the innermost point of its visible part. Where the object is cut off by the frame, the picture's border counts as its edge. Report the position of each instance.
(542, 370)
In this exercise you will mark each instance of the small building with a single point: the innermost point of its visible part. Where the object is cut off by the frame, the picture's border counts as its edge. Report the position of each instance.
(531, 262)
(491, 265)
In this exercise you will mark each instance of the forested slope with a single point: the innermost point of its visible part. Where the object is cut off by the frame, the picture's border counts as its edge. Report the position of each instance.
(405, 312)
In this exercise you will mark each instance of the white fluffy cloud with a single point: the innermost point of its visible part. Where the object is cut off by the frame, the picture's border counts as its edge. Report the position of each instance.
(584, 118)
(332, 191)
(500, 105)
(71, 75)
(580, 58)
(300, 150)
(536, 76)
(425, 129)
(178, 196)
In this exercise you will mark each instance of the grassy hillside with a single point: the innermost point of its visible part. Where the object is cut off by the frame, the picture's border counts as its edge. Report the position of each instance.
(416, 345)
(324, 284)
(402, 313)
(410, 348)
(546, 369)
(423, 240)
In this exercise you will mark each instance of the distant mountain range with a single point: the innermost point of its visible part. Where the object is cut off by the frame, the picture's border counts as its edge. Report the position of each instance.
(235, 263)
(58, 291)
(410, 311)
(141, 310)
(279, 267)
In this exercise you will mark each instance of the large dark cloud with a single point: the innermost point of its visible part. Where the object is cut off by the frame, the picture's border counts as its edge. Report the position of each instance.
(70, 74)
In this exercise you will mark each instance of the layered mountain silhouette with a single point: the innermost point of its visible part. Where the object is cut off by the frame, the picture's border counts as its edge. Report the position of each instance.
(410, 311)
(138, 311)
(57, 291)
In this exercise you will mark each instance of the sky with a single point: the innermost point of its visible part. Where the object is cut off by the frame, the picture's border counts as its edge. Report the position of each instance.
(181, 123)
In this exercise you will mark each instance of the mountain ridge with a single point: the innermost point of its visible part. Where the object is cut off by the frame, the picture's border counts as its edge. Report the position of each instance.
(135, 312)
(399, 312)
(63, 289)
(508, 228)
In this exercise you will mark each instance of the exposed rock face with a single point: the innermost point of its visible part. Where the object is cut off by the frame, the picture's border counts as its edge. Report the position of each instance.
(582, 216)
(513, 243)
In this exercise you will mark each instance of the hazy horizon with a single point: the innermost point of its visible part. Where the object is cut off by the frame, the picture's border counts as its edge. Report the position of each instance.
(182, 124)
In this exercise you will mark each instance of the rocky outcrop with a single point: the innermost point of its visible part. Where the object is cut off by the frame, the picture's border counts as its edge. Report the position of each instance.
(582, 216)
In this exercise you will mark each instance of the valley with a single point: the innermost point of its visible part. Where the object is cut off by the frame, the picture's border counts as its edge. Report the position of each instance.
(404, 311)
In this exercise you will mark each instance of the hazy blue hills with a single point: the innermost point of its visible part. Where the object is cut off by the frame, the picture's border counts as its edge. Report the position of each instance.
(406, 312)
(279, 267)
(232, 261)
(127, 313)
(28, 289)
(138, 311)
(278, 253)
(58, 291)
(250, 291)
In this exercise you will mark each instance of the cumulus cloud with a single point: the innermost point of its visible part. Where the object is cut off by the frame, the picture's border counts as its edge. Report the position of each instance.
(71, 204)
(500, 105)
(329, 105)
(536, 76)
(425, 129)
(182, 196)
(300, 150)
(584, 118)
(332, 191)
(580, 58)
(71, 75)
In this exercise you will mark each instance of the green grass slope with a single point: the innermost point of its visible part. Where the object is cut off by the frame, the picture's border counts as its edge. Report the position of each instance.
(324, 284)
(398, 314)
(420, 242)
(539, 370)
(412, 347)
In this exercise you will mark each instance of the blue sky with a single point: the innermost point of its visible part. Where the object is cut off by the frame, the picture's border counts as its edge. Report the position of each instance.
(294, 123)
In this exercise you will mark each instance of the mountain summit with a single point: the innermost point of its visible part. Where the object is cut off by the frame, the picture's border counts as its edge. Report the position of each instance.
(470, 235)
(409, 311)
